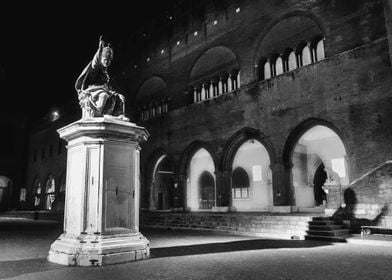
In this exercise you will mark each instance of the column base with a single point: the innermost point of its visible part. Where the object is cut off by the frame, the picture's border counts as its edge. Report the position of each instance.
(98, 250)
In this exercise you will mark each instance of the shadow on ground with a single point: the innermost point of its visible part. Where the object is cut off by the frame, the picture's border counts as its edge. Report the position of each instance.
(15, 268)
(234, 246)
(26, 242)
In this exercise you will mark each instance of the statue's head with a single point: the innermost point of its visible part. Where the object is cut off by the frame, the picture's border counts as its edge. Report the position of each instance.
(106, 56)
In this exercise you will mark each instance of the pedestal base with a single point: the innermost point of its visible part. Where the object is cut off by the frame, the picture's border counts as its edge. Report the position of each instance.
(98, 250)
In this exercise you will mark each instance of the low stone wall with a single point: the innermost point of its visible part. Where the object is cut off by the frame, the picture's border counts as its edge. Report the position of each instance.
(257, 224)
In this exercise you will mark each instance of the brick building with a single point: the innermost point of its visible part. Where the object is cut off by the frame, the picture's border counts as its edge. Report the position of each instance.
(260, 107)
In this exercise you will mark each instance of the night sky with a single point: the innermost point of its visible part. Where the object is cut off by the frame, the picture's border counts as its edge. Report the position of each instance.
(44, 48)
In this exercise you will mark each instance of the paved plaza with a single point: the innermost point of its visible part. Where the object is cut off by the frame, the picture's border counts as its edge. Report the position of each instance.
(176, 254)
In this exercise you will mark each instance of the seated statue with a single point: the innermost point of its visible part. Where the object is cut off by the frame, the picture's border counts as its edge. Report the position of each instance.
(96, 96)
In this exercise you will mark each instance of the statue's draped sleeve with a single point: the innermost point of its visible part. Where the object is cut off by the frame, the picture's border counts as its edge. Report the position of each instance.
(80, 82)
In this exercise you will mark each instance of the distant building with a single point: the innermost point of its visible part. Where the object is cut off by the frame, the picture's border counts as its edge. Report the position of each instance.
(12, 160)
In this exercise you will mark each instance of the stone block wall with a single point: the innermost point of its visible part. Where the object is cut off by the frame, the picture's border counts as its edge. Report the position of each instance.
(367, 200)
(284, 226)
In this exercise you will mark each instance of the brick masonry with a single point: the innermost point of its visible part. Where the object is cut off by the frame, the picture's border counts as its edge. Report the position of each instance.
(349, 91)
(367, 200)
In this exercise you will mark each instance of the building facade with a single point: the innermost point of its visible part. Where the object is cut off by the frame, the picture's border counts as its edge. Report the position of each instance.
(261, 105)
(254, 106)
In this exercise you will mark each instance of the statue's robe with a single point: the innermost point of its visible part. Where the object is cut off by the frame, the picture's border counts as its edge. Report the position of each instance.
(95, 80)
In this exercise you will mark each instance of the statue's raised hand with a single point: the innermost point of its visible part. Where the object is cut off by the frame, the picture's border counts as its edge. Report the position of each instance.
(101, 42)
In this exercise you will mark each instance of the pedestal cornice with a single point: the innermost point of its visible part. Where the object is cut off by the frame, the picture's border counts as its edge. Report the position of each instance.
(104, 127)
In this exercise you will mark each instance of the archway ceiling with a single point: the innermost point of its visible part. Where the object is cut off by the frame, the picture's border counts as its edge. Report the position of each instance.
(288, 33)
(212, 62)
(318, 132)
(152, 89)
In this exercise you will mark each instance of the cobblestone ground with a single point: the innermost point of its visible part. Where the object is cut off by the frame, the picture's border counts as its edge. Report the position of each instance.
(195, 255)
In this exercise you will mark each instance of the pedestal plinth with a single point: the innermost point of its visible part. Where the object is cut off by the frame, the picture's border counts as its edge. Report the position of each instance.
(101, 219)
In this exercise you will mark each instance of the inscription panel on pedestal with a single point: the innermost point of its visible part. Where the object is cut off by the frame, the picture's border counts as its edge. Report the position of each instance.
(93, 211)
(119, 189)
(75, 189)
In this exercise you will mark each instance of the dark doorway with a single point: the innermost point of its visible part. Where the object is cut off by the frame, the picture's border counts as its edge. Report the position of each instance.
(163, 184)
(320, 176)
(160, 201)
(207, 191)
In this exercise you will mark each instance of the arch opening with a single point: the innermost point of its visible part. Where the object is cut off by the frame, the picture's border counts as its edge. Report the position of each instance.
(37, 192)
(50, 195)
(163, 195)
(5, 190)
(318, 158)
(214, 73)
(152, 98)
(252, 178)
(201, 186)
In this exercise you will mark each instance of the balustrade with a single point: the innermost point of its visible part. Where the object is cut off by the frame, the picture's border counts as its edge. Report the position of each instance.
(216, 86)
(154, 109)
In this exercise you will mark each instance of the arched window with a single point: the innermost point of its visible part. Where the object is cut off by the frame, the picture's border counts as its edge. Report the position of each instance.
(214, 70)
(292, 61)
(279, 66)
(50, 189)
(37, 190)
(320, 54)
(240, 183)
(150, 94)
(306, 56)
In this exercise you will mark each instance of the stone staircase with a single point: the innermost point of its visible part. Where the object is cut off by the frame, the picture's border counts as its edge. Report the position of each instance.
(326, 229)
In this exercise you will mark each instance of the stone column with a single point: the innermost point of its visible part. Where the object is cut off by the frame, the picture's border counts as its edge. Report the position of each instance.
(227, 199)
(183, 184)
(195, 99)
(101, 219)
(278, 184)
(388, 23)
(334, 197)
(211, 90)
(220, 86)
(229, 83)
(203, 92)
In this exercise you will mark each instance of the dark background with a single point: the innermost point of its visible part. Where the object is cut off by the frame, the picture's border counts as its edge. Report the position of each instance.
(44, 48)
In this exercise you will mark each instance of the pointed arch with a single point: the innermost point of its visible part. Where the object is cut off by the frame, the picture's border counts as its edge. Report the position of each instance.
(300, 129)
(152, 87)
(307, 19)
(188, 153)
(213, 61)
(147, 190)
(310, 143)
(240, 137)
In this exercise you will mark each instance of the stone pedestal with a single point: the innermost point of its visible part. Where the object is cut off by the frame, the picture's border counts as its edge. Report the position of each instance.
(334, 198)
(101, 219)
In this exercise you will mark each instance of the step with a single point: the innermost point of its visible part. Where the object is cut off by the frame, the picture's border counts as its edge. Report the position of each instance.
(339, 232)
(326, 227)
(316, 219)
(322, 223)
(327, 238)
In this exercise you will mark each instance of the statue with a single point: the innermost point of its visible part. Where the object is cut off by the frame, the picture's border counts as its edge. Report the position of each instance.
(96, 96)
